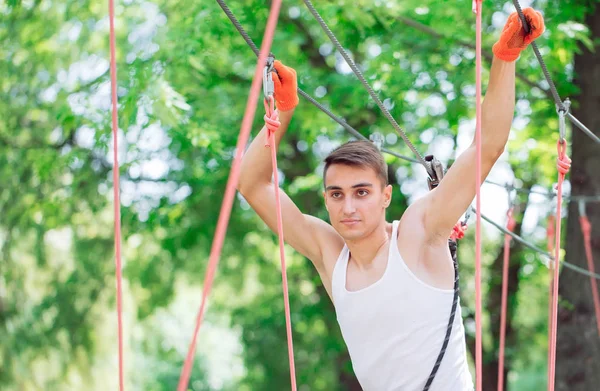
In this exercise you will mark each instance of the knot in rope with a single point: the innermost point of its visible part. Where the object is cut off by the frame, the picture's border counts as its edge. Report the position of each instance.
(586, 227)
(511, 223)
(563, 163)
(271, 118)
(458, 232)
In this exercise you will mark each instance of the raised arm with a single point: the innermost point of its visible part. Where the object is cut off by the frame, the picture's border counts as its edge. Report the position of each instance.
(302, 232)
(444, 205)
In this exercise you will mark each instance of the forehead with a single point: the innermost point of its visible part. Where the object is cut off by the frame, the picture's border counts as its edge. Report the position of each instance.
(345, 176)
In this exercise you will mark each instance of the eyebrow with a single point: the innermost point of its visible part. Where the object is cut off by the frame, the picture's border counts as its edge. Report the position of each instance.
(364, 184)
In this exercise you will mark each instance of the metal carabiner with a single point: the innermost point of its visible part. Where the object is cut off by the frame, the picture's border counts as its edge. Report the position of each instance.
(268, 85)
(562, 126)
(377, 139)
(511, 192)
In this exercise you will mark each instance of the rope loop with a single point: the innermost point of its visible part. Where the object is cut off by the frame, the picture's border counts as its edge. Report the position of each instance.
(563, 163)
(271, 118)
(511, 222)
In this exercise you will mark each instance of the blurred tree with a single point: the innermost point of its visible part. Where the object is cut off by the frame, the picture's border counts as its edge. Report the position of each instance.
(183, 77)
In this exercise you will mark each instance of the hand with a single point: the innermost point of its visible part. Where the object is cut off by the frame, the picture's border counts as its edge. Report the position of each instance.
(514, 39)
(286, 86)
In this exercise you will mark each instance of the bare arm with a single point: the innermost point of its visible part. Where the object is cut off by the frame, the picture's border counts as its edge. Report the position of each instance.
(303, 232)
(307, 234)
(445, 204)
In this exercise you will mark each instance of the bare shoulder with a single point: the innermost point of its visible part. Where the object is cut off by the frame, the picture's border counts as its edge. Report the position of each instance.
(329, 242)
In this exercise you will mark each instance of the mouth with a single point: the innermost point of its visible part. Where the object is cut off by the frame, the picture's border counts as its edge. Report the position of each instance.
(350, 222)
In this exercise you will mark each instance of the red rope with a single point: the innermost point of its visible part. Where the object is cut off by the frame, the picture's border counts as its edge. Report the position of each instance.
(478, 344)
(230, 190)
(117, 202)
(550, 236)
(272, 123)
(586, 229)
(510, 226)
(563, 165)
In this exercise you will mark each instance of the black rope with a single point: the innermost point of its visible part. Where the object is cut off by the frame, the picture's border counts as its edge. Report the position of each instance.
(453, 251)
(549, 194)
(337, 119)
(364, 82)
(537, 249)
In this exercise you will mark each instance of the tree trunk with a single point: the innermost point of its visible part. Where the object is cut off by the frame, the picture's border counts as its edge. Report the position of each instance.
(578, 345)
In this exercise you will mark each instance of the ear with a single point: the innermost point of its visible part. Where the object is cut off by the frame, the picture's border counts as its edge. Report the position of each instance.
(325, 200)
(387, 195)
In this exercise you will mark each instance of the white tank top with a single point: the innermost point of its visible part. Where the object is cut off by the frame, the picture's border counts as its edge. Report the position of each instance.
(394, 329)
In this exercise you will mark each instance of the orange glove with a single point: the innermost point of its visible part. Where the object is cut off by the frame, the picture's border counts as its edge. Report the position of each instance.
(286, 86)
(514, 39)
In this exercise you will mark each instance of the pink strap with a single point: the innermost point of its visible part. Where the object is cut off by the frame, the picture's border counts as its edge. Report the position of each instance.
(116, 181)
(272, 123)
(230, 191)
(563, 165)
(478, 345)
(510, 226)
(586, 228)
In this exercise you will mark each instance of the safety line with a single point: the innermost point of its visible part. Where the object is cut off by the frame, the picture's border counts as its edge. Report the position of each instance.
(477, 8)
(116, 182)
(586, 230)
(510, 226)
(535, 248)
(232, 182)
(272, 124)
(570, 198)
(563, 165)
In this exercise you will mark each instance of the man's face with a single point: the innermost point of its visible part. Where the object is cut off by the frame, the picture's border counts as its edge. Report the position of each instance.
(355, 199)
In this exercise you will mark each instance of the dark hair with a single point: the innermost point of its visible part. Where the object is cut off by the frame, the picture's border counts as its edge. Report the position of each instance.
(359, 153)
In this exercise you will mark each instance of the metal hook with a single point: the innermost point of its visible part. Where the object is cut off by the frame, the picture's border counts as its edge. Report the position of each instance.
(377, 139)
(268, 85)
(511, 192)
(467, 216)
(562, 113)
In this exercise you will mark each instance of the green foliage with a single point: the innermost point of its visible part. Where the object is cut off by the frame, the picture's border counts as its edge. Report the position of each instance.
(183, 77)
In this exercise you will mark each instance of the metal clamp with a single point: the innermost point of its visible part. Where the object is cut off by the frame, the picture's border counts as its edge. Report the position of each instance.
(268, 85)
(377, 139)
(511, 191)
(435, 170)
(562, 113)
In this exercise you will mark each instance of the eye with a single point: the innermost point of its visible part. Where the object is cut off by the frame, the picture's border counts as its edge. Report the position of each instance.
(336, 194)
(362, 192)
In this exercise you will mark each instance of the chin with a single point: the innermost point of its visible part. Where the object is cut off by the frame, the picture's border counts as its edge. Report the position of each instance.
(349, 233)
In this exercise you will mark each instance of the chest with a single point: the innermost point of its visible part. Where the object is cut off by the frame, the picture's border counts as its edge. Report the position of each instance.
(358, 278)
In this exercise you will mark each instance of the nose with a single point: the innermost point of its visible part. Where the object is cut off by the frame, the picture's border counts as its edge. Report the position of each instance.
(349, 207)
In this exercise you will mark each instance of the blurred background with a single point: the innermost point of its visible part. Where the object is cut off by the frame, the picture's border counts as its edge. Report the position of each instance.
(184, 75)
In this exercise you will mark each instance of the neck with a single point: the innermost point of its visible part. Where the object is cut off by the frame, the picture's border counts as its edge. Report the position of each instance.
(364, 250)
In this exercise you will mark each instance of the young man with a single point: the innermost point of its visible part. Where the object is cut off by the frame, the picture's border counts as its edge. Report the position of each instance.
(391, 283)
